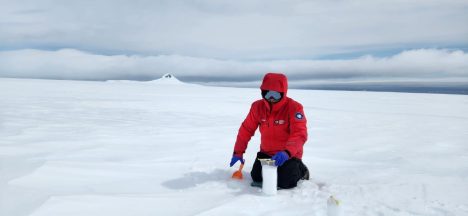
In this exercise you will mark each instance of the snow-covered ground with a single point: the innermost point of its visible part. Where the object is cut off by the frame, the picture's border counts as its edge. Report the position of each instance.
(163, 148)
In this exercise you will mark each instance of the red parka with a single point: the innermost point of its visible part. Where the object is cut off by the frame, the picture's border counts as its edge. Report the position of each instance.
(283, 127)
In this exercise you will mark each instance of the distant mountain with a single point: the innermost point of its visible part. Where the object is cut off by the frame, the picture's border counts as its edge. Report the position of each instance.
(167, 79)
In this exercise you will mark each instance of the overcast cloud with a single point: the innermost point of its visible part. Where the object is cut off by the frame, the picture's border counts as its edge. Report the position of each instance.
(413, 65)
(246, 29)
(222, 41)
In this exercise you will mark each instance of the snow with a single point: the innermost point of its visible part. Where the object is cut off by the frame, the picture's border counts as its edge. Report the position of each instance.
(152, 148)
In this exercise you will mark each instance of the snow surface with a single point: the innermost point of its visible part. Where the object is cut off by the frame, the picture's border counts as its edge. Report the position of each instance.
(146, 148)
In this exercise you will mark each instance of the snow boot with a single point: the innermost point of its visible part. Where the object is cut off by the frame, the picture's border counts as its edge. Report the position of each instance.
(306, 173)
(256, 184)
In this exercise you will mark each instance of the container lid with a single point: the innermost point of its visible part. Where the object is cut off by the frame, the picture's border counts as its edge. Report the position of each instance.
(267, 161)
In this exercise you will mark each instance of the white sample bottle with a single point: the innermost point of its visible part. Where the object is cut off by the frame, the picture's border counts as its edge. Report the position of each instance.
(270, 179)
(333, 207)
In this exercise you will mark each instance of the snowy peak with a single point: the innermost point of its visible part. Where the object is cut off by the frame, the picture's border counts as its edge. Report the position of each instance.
(168, 79)
(168, 76)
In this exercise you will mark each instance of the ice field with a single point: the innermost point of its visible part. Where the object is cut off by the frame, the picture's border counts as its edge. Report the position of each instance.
(163, 148)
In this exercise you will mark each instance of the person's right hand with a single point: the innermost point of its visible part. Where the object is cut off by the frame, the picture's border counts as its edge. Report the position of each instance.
(236, 158)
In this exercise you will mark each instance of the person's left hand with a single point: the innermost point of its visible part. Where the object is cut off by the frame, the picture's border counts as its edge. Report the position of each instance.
(280, 158)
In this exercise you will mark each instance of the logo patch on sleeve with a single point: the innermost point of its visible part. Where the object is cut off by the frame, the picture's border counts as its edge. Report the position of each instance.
(299, 116)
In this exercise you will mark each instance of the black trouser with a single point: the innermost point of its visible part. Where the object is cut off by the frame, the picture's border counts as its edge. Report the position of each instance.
(288, 174)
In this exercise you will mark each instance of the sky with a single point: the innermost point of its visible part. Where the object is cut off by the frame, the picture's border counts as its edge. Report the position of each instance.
(314, 42)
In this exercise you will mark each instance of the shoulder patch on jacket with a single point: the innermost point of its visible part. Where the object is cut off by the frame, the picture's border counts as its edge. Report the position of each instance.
(299, 116)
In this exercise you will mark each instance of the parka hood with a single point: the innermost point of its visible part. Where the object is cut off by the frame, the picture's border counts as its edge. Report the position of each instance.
(276, 82)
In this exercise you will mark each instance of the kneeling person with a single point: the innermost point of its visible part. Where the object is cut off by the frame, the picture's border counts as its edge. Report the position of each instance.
(283, 128)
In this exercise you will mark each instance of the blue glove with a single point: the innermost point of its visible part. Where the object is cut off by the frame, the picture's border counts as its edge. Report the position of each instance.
(280, 158)
(235, 159)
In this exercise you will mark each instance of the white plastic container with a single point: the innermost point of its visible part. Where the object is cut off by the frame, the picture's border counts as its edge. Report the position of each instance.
(270, 177)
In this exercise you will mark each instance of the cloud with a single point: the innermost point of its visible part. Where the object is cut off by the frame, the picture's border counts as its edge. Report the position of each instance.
(240, 30)
(422, 65)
